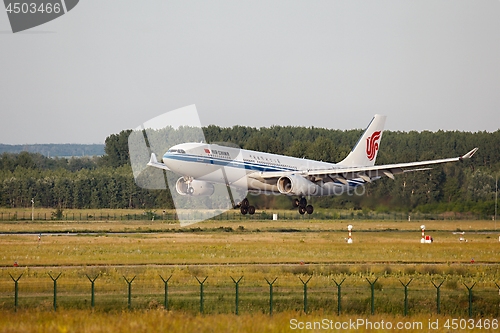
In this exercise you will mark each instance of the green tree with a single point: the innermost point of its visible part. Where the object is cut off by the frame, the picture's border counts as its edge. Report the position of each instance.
(116, 150)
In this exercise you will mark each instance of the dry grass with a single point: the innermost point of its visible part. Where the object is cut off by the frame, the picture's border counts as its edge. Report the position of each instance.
(253, 249)
(212, 245)
(162, 321)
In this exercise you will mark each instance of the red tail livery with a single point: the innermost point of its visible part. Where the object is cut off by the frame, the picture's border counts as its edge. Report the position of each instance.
(372, 145)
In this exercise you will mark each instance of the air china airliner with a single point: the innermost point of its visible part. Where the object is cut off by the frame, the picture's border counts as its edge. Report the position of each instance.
(201, 165)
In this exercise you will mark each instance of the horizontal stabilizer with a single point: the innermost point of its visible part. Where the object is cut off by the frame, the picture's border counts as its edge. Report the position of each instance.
(154, 163)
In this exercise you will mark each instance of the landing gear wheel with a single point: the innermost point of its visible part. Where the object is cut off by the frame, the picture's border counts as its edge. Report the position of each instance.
(302, 210)
(190, 190)
(309, 209)
(244, 210)
(251, 210)
(303, 202)
(295, 203)
(245, 203)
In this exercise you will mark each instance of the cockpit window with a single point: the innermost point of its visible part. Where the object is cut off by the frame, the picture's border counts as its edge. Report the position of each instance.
(172, 151)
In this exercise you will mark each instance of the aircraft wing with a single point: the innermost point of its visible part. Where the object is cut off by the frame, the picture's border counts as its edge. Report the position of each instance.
(366, 173)
(154, 163)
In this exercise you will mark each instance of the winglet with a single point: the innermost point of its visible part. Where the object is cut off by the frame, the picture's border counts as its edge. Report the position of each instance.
(469, 154)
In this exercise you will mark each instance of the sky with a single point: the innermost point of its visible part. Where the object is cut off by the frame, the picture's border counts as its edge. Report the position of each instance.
(110, 65)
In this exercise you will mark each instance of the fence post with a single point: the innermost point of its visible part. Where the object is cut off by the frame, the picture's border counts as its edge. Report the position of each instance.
(237, 300)
(339, 285)
(201, 292)
(165, 281)
(470, 297)
(55, 289)
(438, 296)
(16, 290)
(92, 289)
(406, 295)
(271, 295)
(372, 286)
(305, 292)
(129, 290)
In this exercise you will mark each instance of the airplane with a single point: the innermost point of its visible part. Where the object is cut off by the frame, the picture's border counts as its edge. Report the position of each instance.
(258, 172)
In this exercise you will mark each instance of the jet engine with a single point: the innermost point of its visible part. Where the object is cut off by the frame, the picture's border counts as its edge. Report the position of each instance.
(194, 188)
(296, 185)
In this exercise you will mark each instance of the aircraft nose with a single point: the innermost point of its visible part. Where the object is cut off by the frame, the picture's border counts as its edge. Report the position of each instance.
(169, 161)
(166, 160)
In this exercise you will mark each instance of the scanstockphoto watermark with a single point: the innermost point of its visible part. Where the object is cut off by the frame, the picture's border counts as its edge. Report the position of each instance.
(25, 15)
(355, 324)
(357, 190)
(364, 324)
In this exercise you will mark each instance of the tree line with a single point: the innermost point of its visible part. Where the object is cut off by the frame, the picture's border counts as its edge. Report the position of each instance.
(108, 181)
(53, 150)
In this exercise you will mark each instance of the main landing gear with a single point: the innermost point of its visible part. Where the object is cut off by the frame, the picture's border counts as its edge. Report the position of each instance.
(246, 208)
(303, 206)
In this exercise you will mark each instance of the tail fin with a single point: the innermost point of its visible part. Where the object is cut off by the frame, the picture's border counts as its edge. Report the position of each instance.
(365, 151)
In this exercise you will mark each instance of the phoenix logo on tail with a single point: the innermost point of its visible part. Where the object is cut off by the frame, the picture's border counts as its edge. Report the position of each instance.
(372, 145)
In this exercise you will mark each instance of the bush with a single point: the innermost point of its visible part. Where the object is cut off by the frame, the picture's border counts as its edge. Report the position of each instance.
(335, 270)
(57, 214)
(297, 270)
(409, 270)
(428, 270)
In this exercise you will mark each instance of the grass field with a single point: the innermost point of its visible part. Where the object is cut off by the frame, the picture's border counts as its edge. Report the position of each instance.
(257, 250)
(162, 321)
(244, 242)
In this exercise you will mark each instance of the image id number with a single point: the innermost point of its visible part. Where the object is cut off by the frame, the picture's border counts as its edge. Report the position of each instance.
(32, 8)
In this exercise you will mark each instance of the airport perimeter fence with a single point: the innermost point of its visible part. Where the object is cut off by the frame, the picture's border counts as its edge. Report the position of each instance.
(235, 294)
(234, 215)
